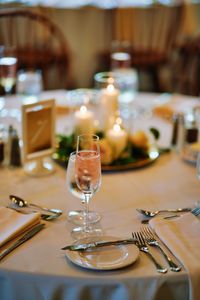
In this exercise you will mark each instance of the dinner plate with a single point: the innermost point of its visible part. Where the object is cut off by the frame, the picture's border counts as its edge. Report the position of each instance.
(104, 258)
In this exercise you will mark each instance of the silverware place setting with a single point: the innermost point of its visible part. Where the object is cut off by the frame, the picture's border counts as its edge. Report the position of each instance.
(175, 213)
(21, 206)
(144, 247)
(45, 217)
(143, 239)
(152, 240)
(93, 245)
(151, 214)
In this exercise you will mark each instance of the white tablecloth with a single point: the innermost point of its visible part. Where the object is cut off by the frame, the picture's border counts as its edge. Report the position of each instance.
(39, 269)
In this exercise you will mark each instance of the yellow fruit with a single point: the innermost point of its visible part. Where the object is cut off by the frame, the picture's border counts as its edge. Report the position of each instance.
(106, 152)
(139, 139)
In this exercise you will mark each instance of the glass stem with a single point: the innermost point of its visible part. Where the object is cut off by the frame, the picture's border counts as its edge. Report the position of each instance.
(87, 199)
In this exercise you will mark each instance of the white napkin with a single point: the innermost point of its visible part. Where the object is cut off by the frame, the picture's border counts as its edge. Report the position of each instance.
(12, 223)
(182, 237)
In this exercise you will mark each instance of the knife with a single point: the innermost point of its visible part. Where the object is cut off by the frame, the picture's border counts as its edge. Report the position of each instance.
(83, 247)
(29, 234)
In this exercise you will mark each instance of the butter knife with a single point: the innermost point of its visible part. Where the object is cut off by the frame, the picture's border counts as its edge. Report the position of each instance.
(29, 234)
(83, 247)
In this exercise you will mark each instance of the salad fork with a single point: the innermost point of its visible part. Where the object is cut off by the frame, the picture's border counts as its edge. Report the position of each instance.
(142, 245)
(152, 241)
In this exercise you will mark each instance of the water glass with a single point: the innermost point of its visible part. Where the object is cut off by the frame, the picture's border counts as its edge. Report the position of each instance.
(29, 83)
(88, 175)
(77, 217)
(124, 79)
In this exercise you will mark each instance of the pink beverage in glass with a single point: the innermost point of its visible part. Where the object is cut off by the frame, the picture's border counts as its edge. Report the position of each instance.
(88, 171)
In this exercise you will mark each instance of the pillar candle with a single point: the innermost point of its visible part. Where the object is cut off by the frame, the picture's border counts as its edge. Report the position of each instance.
(117, 138)
(109, 105)
(84, 121)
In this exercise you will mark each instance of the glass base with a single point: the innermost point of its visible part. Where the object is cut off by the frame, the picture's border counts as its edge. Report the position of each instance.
(77, 217)
(80, 232)
(39, 168)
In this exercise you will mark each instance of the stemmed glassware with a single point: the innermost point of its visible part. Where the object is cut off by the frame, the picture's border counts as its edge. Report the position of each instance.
(198, 165)
(8, 73)
(197, 204)
(8, 68)
(77, 217)
(88, 176)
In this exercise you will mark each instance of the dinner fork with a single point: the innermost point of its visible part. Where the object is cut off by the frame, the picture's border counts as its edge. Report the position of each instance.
(142, 245)
(152, 241)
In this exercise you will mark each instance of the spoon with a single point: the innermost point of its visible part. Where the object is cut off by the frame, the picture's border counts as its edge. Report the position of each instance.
(22, 203)
(44, 217)
(152, 214)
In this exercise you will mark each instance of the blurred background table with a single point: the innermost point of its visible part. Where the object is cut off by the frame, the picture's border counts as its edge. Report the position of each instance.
(104, 25)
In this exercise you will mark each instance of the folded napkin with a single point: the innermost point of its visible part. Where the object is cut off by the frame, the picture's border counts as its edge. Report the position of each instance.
(12, 223)
(182, 237)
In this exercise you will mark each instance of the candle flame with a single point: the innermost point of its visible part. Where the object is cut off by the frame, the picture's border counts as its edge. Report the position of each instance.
(83, 109)
(118, 121)
(116, 127)
(110, 88)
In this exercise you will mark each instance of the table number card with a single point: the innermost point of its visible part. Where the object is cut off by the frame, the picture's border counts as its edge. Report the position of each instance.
(38, 131)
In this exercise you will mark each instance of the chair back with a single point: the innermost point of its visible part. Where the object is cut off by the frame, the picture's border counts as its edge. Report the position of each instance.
(38, 43)
(186, 79)
(151, 31)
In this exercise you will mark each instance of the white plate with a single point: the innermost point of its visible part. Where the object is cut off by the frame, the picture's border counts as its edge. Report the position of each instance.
(104, 258)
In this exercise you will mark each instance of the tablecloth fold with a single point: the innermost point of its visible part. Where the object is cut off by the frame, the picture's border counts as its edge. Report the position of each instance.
(182, 237)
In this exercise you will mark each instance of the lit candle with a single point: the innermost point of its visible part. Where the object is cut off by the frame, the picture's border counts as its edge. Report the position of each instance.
(84, 121)
(117, 138)
(109, 105)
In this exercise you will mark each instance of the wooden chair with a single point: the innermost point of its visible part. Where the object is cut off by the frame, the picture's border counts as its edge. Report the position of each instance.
(39, 44)
(186, 78)
(151, 33)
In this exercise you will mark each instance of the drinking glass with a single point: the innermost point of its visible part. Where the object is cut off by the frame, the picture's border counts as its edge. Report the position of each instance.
(8, 71)
(198, 165)
(8, 68)
(197, 203)
(29, 84)
(77, 217)
(88, 175)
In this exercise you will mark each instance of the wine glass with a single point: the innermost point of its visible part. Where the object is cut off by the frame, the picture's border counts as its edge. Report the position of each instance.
(8, 72)
(77, 217)
(88, 176)
(8, 68)
(197, 203)
(198, 165)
